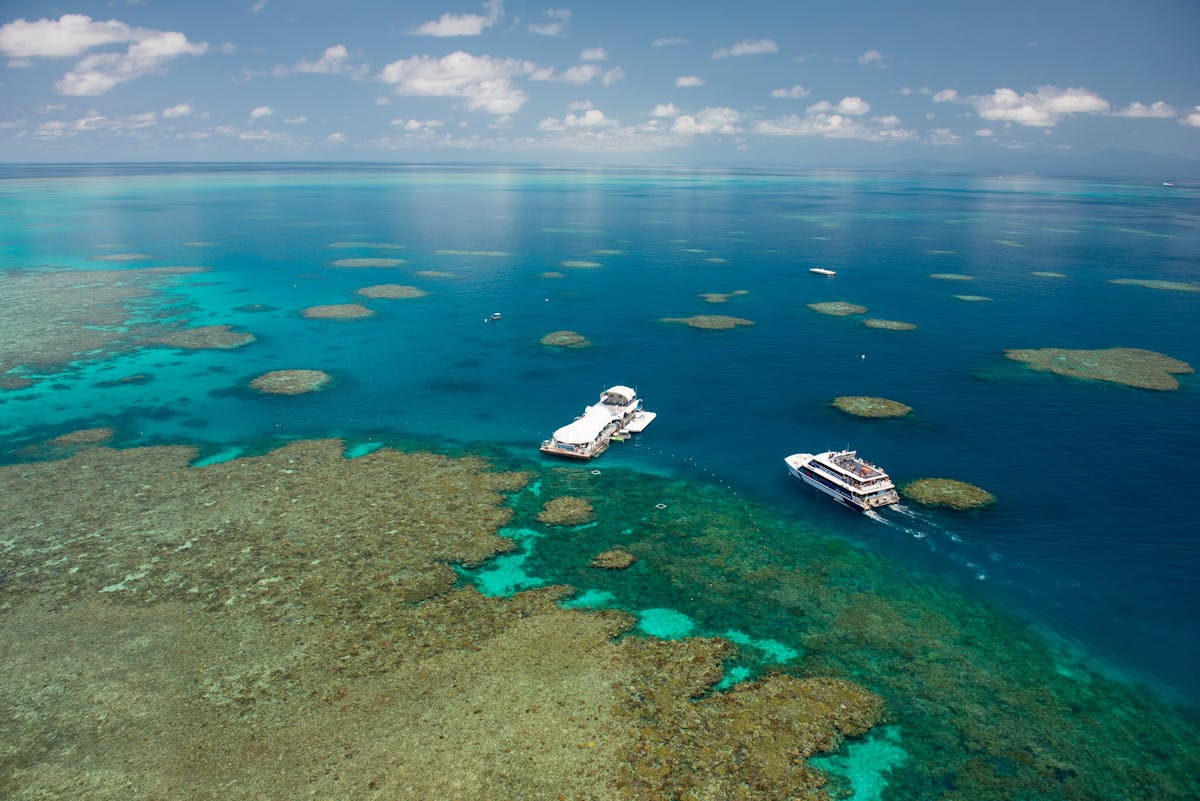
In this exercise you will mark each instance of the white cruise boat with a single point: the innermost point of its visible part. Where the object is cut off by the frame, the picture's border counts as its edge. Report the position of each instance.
(821, 271)
(618, 414)
(845, 477)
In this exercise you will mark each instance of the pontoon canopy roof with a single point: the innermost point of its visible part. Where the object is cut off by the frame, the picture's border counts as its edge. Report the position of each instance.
(586, 428)
(623, 391)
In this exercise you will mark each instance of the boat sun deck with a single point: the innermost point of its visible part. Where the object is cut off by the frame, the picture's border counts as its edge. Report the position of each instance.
(618, 414)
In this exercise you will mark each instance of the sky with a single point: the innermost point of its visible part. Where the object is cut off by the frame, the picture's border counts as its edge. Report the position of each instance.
(849, 83)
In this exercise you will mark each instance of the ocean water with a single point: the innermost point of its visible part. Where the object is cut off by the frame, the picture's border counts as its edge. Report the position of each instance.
(1093, 540)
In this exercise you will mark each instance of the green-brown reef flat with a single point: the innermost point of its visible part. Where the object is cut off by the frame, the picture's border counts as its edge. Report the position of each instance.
(712, 322)
(838, 308)
(949, 493)
(1153, 283)
(52, 317)
(1133, 367)
(289, 625)
(869, 406)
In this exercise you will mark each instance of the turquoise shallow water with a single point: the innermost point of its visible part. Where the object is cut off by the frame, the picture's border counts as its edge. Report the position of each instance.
(1093, 536)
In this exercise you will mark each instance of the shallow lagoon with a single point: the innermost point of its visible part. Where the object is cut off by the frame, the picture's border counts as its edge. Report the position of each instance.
(1083, 546)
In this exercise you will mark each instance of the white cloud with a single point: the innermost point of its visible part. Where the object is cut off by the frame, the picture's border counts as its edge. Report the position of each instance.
(557, 19)
(177, 111)
(594, 54)
(665, 110)
(720, 120)
(97, 73)
(331, 62)
(300, 120)
(483, 82)
(842, 120)
(335, 138)
(258, 6)
(985, 132)
(795, 92)
(850, 106)
(747, 47)
(425, 127)
(580, 105)
(1156, 109)
(463, 24)
(668, 41)
(74, 34)
(689, 80)
(69, 35)
(1191, 119)
(383, 100)
(612, 76)
(580, 73)
(943, 136)
(261, 112)
(872, 58)
(591, 119)
(1041, 109)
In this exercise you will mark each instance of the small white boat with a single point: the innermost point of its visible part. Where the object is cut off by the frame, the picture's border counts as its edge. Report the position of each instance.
(493, 317)
(846, 478)
(821, 271)
(618, 414)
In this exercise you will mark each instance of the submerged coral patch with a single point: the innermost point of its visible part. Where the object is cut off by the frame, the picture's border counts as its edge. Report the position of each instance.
(552, 274)
(714, 322)
(723, 297)
(973, 298)
(1048, 274)
(392, 291)
(948, 493)
(578, 264)
(1134, 367)
(209, 337)
(889, 325)
(337, 311)
(291, 382)
(566, 510)
(613, 559)
(366, 245)
(122, 257)
(1151, 283)
(867, 406)
(837, 308)
(434, 274)
(84, 436)
(565, 339)
(368, 262)
(952, 277)
(485, 253)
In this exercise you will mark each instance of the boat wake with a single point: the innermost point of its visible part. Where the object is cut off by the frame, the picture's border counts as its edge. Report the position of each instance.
(935, 536)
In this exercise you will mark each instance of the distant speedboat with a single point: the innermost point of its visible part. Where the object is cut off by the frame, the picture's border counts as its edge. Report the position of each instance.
(495, 316)
(821, 271)
(849, 480)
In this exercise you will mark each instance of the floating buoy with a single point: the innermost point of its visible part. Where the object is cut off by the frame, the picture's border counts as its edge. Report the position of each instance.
(660, 506)
(595, 472)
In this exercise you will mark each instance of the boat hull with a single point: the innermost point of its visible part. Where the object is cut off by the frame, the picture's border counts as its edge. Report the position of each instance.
(861, 504)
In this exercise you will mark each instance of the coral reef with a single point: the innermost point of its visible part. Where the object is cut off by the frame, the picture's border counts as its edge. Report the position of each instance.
(122, 257)
(552, 274)
(952, 277)
(715, 322)
(867, 406)
(291, 382)
(1134, 367)
(52, 317)
(723, 297)
(1048, 274)
(392, 291)
(1149, 283)
(83, 436)
(337, 311)
(368, 262)
(565, 339)
(973, 298)
(837, 308)
(579, 265)
(208, 337)
(948, 493)
(256, 628)
(486, 253)
(434, 274)
(889, 325)
(367, 245)
(613, 559)
(566, 510)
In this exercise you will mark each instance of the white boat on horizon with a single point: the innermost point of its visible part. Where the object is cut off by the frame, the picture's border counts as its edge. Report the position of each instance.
(618, 414)
(821, 271)
(846, 478)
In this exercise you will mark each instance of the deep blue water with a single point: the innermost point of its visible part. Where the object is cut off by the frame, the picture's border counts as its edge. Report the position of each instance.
(1094, 534)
